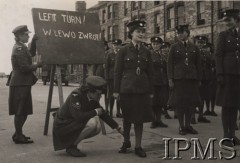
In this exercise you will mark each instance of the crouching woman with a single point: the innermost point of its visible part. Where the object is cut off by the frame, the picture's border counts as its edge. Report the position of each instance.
(78, 118)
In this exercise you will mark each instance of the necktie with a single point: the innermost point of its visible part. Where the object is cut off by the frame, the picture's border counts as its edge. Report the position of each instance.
(137, 46)
(185, 44)
(235, 31)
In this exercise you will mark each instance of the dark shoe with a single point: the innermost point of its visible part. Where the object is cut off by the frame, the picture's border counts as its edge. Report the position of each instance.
(236, 140)
(124, 147)
(228, 143)
(190, 130)
(182, 131)
(14, 137)
(161, 124)
(153, 125)
(140, 152)
(203, 120)
(22, 140)
(212, 113)
(167, 116)
(119, 115)
(75, 152)
(207, 112)
(193, 120)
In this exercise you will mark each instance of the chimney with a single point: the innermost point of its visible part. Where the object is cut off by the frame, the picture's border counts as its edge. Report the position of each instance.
(80, 6)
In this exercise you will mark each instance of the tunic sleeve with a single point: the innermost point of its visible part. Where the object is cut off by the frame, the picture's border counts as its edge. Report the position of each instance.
(170, 63)
(219, 54)
(118, 70)
(198, 64)
(76, 110)
(21, 58)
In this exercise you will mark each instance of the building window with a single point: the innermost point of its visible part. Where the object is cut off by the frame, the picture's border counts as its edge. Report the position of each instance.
(109, 11)
(200, 13)
(222, 6)
(135, 5)
(103, 16)
(142, 5)
(125, 31)
(115, 32)
(104, 34)
(110, 33)
(156, 3)
(236, 4)
(170, 18)
(157, 23)
(180, 15)
(126, 6)
(115, 10)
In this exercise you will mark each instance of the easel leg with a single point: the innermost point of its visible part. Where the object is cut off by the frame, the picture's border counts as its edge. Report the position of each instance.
(49, 99)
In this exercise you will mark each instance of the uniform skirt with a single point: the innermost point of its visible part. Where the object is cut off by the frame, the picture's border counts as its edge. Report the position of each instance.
(161, 94)
(228, 95)
(110, 88)
(20, 100)
(136, 108)
(213, 89)
(205, 89)
(185, 94)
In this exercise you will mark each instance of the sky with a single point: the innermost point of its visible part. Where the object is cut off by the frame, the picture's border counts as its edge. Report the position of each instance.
(18, 12)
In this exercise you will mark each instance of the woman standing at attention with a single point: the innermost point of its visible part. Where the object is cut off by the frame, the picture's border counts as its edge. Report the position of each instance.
(133, 85)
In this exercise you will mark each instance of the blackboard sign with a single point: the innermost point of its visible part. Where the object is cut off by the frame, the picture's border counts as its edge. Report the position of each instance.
(67, 37)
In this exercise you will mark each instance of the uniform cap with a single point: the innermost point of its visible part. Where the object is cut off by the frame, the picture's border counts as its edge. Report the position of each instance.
(230, 13)
(136, 24)
(203, 38)
(181, 28)
(117, 41)
(165, 44)
(156, 39)
(21, 29)
(96, 82)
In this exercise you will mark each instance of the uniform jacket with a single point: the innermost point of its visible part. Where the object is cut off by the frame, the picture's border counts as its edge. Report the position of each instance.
(206, 64)
(227, 53)
(22, 73)
(72, 118)
(176, 67)
(126, 78)
(110, 65)
(159, 69)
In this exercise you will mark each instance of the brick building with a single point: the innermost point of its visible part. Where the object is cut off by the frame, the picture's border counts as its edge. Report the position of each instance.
(204, 17)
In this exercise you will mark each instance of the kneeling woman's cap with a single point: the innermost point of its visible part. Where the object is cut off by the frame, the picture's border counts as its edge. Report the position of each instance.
(21, 29)
(96, 82)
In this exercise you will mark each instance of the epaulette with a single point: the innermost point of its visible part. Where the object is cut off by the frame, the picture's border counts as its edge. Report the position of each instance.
(76, 92)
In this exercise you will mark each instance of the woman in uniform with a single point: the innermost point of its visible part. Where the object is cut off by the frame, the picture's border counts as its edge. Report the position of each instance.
(160, 82)
(116, 44)
(133, 85)
(21, 81)
(208, 48)
(206, 61)
(228, 74)
(165, 50)
(184, 78)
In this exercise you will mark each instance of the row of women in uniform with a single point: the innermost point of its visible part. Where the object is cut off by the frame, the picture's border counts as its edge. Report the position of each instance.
(133, 81)
(139, 81)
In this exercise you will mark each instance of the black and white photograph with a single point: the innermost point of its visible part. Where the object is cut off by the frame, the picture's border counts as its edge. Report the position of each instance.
(120, 81)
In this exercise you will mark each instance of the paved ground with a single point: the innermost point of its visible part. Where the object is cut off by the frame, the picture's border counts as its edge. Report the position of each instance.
(100, 149)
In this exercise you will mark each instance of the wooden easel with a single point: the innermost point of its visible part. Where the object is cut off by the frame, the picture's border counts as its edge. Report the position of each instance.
(57, 69)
